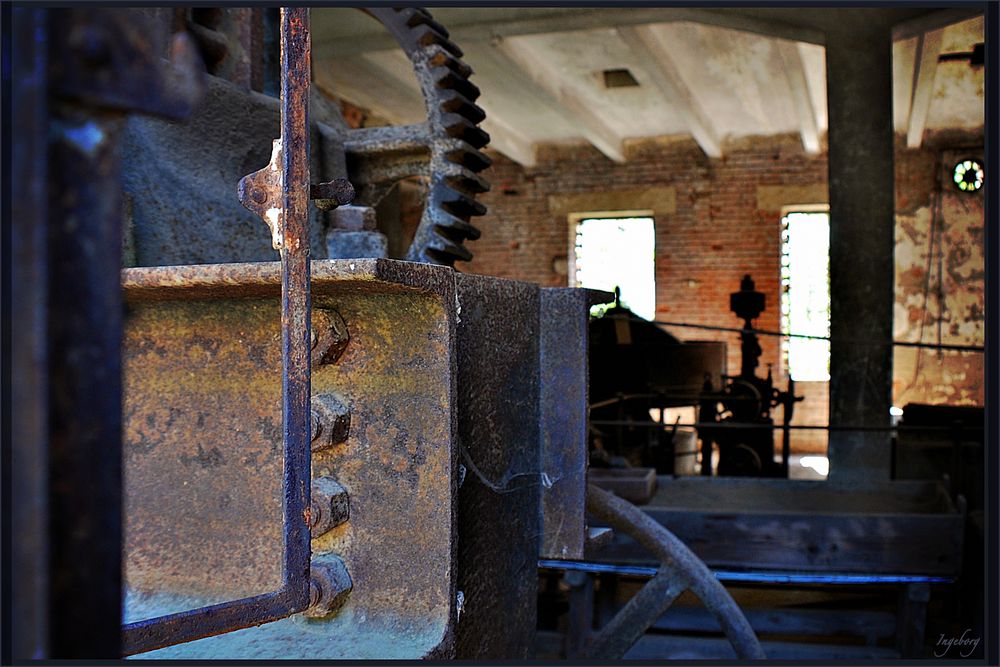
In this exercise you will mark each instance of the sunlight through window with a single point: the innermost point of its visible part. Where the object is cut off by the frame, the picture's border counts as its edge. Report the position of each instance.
(618, 252)
(805, 296)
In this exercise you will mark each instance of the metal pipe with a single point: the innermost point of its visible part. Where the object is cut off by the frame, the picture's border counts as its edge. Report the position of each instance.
(751, 577)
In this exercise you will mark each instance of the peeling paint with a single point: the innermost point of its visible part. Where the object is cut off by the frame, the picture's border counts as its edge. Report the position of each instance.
(940, 290)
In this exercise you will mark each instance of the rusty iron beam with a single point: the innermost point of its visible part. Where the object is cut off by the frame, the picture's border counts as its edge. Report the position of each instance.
(203, 442)
(564, 397)
(498, 518)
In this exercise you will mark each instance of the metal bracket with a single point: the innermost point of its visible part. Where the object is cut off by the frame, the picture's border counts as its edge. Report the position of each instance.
(288, 202)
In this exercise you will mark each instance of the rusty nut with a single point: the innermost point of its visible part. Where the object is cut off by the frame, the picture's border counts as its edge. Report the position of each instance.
(329, 506)
(329, 336)
(329, 586)
(331, 422)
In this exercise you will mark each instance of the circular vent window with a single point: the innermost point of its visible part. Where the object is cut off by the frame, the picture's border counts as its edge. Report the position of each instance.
(968, 175)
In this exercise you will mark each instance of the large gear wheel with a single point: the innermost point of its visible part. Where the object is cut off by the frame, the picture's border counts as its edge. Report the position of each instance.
(181, 204)
(444, 150)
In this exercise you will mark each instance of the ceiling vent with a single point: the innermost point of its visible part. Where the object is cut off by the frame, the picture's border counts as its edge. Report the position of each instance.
(618, 78)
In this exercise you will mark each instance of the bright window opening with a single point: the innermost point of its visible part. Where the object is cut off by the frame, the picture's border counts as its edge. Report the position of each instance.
(805, 295)
(618, 252)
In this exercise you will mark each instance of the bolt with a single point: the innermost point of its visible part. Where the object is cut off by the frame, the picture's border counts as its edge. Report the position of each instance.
(329, 507)
(328, 196)
(331, 421)
(331, 336)
(329, 586)
(354, 219)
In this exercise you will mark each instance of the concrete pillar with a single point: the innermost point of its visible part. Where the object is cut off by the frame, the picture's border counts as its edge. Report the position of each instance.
(859, 99)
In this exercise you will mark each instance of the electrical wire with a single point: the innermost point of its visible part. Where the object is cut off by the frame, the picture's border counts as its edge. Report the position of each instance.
(780, 334)
(794, 427)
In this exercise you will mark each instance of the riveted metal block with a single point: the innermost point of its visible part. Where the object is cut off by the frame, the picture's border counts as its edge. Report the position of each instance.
(203, 428)
(331, 422)
(329, 507)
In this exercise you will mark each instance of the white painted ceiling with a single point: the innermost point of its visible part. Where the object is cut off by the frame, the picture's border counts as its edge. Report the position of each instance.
(540, 72)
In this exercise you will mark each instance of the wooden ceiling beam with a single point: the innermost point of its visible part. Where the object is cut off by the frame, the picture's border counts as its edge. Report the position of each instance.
(791, 58)
(662, 69)
(563, 92)
(341, 38)
(508, 141)
(925, 67)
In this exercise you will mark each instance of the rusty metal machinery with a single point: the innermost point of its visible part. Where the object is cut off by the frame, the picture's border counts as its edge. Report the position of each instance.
(744, 436)
(635, 367)
(318, 458)
(176, 173)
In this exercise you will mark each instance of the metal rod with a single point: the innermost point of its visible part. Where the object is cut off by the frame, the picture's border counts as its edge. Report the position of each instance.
(779, 334)
(185, 626)
(761, 577)
(85, 379)
(296, 375)
(295, 301)
(795, 427)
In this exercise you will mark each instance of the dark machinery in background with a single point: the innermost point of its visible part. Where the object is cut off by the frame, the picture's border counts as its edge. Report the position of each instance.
(636, 367)
(745, 435)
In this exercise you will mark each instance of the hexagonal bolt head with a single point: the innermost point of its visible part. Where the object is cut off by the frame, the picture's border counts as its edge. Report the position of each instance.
(331, 422)
(329, 336)
(329, 506)
(354, 219)
(329, 586)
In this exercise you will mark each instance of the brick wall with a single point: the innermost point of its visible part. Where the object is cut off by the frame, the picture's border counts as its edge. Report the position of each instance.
(928, 376)
(723, 222)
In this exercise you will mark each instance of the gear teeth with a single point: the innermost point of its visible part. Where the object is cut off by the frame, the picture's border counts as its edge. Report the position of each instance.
(456, 139)
(468, 183)
(457, 103)
(469, 157)
(426, 35)
(438, 57)
(448, 79)
(461, 128)
(458, 231)
(418, 17)
(458, 204)
(446, 252)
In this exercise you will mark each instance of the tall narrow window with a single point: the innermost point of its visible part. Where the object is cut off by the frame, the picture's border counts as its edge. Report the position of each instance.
(618, 252)
(805, 297)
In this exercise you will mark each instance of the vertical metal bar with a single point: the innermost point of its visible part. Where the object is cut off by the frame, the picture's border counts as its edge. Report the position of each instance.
(295, 301)
(85, 379)
(291, 236)
(26, 474)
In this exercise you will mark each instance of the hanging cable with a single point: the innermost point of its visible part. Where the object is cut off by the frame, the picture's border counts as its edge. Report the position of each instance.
(780, 334)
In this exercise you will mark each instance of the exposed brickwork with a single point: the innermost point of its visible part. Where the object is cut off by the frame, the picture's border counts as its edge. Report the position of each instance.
(717, 232)
(715, 236)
